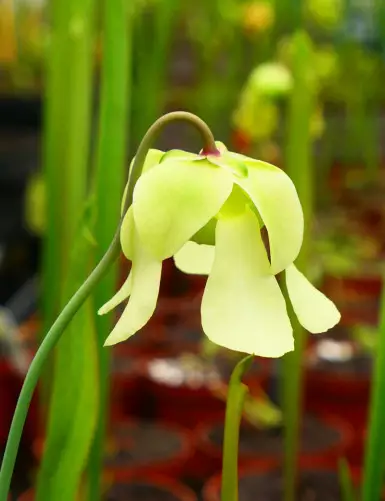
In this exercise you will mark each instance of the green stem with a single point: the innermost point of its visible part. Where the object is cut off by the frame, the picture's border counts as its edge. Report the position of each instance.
(152, 133)
(299, 168)
(292, 403)
(375, 450)
(37, 364)
(82, 294)
(235, 400)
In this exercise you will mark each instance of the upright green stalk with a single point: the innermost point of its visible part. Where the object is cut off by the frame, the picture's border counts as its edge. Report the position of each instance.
(66, 135)
(152, 64)
(108, 182)
(81, 45)
(234, 406)
(299, 168)
(55, 127)
(74, 28)
(375, 448)
(54, 159)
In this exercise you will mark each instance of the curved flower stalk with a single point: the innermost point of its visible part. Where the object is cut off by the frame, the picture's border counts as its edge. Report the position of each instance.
(209, 212)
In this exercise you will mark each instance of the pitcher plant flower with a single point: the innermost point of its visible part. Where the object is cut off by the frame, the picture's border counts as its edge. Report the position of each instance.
(207, 211)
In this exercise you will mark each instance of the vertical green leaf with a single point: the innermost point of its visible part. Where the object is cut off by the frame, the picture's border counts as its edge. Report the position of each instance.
(299, 167)
(73, 458)
(375, 444)
(109, 177)
(66, 153)
(73, 411)
(54, 158)
(152, 64)
(346, 481)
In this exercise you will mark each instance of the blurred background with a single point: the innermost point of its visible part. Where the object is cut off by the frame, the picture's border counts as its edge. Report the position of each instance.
(296, 83)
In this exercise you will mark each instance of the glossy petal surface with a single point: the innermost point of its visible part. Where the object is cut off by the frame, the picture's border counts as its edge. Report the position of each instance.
(243, 308)
(176, 199)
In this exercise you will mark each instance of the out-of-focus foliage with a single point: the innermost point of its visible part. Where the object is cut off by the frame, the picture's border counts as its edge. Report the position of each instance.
(326, 14)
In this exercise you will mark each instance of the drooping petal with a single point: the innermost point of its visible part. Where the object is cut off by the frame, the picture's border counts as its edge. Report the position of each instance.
(127, 234)
(315, 312)
(195, 259)
(119, 297)
(276, 200)
(174, 200)
(145, 276)
(153, 157)
(243, 308)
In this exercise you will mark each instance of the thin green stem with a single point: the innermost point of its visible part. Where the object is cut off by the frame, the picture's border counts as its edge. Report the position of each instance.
(234, 406)
(292, 403)
(375, 450)
(82, 294)
(154, 130)
(299, 168)
(38, 362)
